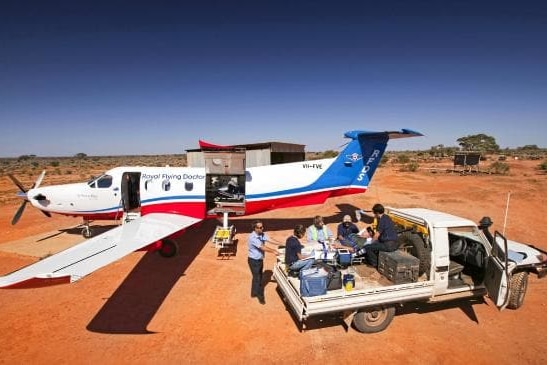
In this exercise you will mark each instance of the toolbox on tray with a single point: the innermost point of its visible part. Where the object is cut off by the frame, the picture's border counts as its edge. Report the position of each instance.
(399, 267)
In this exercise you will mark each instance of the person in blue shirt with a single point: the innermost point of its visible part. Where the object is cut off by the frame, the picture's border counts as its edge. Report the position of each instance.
(345, 229)
(352, 238)
(294, 259)
(257, 248)
(385, 237)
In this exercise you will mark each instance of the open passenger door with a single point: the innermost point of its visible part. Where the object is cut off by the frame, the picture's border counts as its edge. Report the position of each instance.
(497, 272)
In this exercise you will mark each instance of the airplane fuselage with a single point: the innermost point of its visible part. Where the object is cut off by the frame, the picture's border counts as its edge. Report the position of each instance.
(182, 190)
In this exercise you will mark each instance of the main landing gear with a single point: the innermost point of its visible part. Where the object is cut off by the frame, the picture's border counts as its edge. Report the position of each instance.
(168, 248)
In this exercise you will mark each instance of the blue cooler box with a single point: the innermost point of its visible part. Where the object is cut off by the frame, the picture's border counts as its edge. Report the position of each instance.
(344, 257)
(313, 282)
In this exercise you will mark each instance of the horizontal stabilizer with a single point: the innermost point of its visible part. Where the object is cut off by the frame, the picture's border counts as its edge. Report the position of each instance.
(76, 262)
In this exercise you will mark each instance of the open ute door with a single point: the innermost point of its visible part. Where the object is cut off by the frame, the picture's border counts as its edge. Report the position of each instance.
(497, 272)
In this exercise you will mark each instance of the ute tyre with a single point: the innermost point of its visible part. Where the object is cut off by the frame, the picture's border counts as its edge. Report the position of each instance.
(372, 320)
(517, 289)
(169, 248)
(417, 249)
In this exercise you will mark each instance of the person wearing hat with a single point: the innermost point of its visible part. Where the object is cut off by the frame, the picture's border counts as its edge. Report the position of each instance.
(484, 224)
(345, 229)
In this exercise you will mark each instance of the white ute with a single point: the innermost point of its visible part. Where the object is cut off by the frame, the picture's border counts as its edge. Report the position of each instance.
(456, 260)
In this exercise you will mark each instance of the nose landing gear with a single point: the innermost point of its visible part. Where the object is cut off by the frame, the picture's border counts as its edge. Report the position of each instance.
(87, 232)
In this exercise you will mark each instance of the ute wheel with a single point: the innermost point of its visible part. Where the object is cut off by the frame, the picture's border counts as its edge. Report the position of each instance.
(416, 247)
(87, 232)
(517, 289)
(169, 248)
(372, 320)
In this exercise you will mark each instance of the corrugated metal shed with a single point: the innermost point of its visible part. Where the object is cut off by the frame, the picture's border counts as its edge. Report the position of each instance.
(258, 154)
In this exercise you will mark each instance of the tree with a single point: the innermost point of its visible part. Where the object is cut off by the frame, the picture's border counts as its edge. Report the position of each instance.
(80, 155)
(528, 147)
(478, 142)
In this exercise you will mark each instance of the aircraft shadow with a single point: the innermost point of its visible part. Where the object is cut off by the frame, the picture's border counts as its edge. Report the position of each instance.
(77, 230)
(135, 302)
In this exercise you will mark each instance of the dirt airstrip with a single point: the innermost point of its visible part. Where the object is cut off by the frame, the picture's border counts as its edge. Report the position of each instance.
(196, 308)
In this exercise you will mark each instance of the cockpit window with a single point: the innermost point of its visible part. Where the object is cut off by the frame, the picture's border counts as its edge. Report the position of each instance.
(103, 181)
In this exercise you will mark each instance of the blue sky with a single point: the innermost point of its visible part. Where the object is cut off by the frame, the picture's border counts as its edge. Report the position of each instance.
(125, 77)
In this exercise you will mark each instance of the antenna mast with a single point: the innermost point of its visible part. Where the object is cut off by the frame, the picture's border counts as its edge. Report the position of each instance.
(506, 211)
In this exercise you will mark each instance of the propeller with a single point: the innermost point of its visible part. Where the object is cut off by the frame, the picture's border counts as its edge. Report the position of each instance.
(21, 209)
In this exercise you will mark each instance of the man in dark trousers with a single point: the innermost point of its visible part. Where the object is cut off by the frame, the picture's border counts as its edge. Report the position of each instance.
(257, 248)
(385, 238)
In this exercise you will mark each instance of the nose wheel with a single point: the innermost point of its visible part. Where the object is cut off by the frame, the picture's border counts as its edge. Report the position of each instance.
(87, 232)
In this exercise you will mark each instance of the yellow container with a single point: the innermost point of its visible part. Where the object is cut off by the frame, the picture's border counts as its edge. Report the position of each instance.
(349, 282)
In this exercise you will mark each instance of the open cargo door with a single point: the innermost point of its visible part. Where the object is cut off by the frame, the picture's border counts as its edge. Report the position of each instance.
(225, 181)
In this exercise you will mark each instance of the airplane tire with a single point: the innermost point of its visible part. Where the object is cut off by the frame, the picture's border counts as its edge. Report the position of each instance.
(87, 232)
(372, 320)
(169, 248)
(517, 289)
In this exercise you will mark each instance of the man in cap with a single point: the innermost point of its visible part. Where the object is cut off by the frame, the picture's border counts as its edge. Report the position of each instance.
(346, 228)
(484, 224)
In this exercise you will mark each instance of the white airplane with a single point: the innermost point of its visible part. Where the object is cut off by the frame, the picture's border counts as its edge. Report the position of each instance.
(157, 204)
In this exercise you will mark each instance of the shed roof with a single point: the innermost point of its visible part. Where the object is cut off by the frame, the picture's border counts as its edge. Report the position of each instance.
(272, 146)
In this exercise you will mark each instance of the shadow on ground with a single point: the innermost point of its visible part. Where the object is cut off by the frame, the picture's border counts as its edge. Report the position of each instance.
(133, 305)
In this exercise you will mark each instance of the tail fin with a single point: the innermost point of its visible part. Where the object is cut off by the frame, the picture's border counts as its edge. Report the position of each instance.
(356, 164)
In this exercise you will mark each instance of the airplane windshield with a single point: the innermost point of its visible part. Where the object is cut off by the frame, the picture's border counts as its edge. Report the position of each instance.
(103, 181)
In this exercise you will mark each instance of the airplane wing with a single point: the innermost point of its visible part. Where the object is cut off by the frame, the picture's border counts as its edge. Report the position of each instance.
(76, 262)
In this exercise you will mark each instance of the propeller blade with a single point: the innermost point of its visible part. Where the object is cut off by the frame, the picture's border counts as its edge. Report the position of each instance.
(39, 180)
(19, 213)
(17, 182)
(47, 214)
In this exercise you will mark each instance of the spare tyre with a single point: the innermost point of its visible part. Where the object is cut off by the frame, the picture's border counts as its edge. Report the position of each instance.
(415, 245)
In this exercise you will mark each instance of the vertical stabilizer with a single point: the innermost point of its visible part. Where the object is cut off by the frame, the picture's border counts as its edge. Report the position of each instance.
(356, 164)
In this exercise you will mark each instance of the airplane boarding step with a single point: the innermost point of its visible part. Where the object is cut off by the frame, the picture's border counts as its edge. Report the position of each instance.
(130, 216)
(76, 262)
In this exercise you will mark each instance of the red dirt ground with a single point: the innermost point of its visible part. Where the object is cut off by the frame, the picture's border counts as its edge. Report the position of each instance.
(196, 308)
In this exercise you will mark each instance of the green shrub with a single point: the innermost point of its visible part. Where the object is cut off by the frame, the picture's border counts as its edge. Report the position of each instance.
(410, 167)
(499, 167)
(54, 163)
(403, 159)
(543, 166)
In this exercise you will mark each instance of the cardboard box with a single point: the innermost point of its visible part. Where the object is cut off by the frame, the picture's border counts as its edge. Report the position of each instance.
(399, 267)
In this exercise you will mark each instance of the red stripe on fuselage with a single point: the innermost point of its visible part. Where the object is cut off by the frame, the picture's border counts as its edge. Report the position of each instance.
(198, 209)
